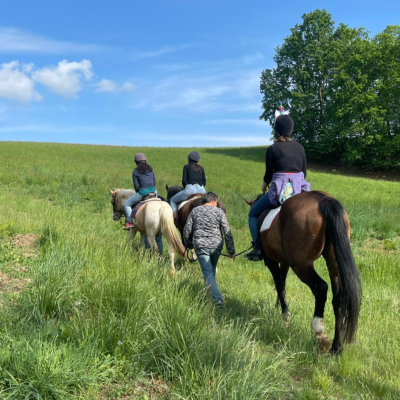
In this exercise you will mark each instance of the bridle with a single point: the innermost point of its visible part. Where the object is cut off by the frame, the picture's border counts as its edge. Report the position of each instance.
(117, 214)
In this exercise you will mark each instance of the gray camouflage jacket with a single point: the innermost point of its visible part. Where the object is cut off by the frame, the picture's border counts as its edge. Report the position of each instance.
(206, 224)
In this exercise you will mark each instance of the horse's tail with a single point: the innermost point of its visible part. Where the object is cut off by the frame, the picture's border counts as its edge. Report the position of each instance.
(169, 231)
(349, 295)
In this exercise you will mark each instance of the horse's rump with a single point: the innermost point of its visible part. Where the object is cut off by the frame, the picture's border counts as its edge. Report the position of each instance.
(191, 198)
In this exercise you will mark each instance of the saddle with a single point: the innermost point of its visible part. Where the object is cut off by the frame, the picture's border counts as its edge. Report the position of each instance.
(191, 198)
(146, 199)
(266, 219)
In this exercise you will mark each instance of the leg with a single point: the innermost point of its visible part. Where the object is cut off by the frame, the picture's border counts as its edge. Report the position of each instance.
(171, 253)
(319, 288)
(153, 244)
(258, 208)
(129, 204)
(279, 281)
(182, 195)
(142, 240)
(160, 244)
(204, 257)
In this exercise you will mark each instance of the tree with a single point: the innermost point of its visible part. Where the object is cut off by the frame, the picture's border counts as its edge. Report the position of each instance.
(342, 90)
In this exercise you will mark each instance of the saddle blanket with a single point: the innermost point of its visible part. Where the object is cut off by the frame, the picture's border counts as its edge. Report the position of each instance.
(195, 196)
(269, 219)
(136, 209)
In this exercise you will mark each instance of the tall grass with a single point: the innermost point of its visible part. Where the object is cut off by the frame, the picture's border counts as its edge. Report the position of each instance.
(99, 321)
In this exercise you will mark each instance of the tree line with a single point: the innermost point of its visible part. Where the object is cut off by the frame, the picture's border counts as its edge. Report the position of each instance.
(342, 88)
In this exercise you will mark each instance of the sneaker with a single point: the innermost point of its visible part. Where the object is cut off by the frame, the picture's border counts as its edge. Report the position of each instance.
(219, 304)
(128, 226)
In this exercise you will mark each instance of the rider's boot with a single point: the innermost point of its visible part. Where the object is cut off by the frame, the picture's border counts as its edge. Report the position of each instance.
(128, 226)
(255, 254)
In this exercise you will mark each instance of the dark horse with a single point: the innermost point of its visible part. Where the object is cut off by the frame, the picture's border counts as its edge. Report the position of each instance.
(311, 224)
(184, 212)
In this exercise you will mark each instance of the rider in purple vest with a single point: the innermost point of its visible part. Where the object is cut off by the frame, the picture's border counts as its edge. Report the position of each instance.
(285, 162)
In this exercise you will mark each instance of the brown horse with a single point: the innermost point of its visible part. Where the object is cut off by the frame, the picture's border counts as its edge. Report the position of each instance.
(311, 224)
(184, 212)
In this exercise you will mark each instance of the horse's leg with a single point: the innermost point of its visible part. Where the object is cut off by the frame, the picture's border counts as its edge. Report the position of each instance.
(337, 344)
(132, 234)
(319, 288)
(152, 243)
(141, 243)
(273, 266)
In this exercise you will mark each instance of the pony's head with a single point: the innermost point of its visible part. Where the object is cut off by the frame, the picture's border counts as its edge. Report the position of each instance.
(117, 213)
(172, 191)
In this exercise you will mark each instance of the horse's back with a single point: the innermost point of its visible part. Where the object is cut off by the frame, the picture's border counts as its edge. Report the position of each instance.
(299, 234)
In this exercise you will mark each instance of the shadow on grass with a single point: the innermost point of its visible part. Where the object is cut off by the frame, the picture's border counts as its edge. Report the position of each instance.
(256, 154)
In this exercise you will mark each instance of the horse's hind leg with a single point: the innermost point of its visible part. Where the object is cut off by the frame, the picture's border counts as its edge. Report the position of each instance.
(279, 280)
(319, 288)
(337, 343)
(171, 253)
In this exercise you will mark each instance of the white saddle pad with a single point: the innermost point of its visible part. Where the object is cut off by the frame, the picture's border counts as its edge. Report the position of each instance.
(269, 219)
(187, 201)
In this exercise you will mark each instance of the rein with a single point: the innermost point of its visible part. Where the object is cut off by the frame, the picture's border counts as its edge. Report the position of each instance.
(192, 260)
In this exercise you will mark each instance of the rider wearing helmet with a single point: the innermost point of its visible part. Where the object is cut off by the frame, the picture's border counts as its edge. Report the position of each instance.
(144, 182)
(285, 163)
(193, 181)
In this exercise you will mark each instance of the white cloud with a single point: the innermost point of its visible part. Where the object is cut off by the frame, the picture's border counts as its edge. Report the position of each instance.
(128, 87)
(66, 77)
(203, 91)
(107, 85)
(15, 84)
(14, 40)
(164, 50)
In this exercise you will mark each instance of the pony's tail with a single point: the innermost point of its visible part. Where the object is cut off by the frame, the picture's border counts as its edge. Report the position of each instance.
(169, 231)
(350, 283)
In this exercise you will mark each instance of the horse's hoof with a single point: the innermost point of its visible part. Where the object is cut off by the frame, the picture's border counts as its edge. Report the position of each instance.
(323, 343)
(286, 316)
(336, 351)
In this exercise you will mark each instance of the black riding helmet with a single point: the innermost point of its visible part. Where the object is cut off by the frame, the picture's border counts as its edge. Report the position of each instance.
(194, 156)
(284, 126)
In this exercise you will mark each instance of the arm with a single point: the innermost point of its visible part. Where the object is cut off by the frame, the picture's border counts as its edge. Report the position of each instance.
(154, 179)
(184, 176)
(135, 181)
(304, 169)
(204, 178)
(187, 230)
(230, 245)
(268, 165)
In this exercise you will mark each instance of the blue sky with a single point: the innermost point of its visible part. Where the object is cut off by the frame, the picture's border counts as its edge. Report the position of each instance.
(155, 73)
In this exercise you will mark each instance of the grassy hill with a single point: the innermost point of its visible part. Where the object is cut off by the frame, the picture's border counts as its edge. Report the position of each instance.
(82, 317)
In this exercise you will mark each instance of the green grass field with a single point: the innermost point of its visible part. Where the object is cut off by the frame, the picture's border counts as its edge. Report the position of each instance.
(82, 317)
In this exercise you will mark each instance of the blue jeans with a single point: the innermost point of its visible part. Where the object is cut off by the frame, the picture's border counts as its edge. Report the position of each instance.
(131, 203)
(189, 190)
(208, 259)
(261, 205)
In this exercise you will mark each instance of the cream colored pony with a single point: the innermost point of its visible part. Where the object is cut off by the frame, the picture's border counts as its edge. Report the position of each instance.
(152, 218)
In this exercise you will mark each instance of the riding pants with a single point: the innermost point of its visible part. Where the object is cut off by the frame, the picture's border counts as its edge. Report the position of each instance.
(189, 190)
(262, 204)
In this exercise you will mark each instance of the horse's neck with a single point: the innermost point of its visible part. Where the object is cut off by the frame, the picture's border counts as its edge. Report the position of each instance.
(124, 195)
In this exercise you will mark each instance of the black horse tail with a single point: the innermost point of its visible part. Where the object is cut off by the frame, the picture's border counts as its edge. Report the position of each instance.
(350, 283)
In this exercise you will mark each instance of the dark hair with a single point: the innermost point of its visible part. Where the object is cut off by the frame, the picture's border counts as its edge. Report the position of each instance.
(195, 167)
(143, 167)
(208, 197)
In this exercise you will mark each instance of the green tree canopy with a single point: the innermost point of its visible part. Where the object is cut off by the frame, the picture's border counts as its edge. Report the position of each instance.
(342, 89)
